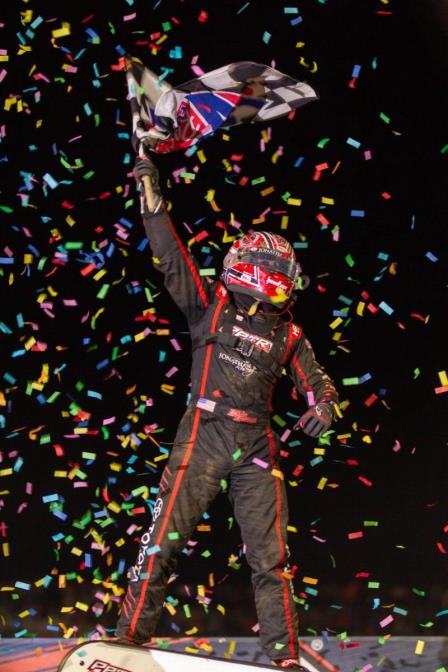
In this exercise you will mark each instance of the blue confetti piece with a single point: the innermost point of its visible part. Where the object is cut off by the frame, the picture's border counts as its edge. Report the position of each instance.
(356, 71)
(50, 498)
(357, 213)
(387, 309)
(431, 256)
(365, 378)
(353, 143)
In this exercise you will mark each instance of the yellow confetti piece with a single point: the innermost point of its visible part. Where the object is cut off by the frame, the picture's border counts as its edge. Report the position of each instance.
(159, 458)
(201, 156)
(367, 439)
(277, 473)
(310, 580)
(76, 551)
(291, 528)
(294, 201)
(360, 308)
(319, 451)
(443, 377)
(327, 201)
(284, 222)
(322, 482)
(101, 273)
(5, 549)
(419, 647)
(95, 317)
(29, 343)
(220, 608)
(6, 472)
(169, 607)
(115, 466)
(63, 31)
(336, 323)
(82, 606)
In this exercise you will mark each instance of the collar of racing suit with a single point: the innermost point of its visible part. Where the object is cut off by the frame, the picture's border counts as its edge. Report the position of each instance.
(265, 318)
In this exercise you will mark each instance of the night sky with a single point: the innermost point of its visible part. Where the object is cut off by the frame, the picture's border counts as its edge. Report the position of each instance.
(95, 354)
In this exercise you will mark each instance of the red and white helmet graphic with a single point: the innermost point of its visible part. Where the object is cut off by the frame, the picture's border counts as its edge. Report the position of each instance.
(262, 265)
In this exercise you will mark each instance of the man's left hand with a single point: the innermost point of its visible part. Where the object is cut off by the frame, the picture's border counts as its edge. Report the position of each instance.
(316, 420)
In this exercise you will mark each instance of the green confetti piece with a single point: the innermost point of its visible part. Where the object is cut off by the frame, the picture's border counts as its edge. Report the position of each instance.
(371, 523)
(350, 261)
(73, 245)
(373, 584)
(321, 144)
(350, 381)
(172, 536)
(384, 118)
(279, 421)
(6, 208)
(187, 611)
(103, 291)
(420, 593)
(444, 149)
(236, 454)
(206, 554)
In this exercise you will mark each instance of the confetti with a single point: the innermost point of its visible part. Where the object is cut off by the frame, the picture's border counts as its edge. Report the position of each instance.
(95, 370)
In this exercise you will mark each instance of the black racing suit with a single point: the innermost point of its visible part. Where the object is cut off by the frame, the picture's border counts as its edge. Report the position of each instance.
(224, 434)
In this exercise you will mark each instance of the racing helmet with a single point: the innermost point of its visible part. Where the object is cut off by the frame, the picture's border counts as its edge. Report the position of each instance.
(262, 265)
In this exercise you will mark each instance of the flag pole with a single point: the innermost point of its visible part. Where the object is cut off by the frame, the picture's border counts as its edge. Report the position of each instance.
(149, 193)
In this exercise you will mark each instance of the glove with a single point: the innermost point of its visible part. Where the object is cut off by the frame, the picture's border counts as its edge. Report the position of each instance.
(316, 420)
(145, 167)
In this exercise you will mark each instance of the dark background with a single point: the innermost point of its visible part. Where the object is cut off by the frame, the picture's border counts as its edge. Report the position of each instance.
(64, 561)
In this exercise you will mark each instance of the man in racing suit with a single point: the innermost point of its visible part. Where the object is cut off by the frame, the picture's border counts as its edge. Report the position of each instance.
(241, 343)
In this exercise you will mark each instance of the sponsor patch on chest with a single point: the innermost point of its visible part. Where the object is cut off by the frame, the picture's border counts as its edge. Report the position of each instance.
(259, 342)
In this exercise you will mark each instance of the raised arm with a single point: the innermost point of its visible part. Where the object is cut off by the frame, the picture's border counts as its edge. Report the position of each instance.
(180, 269)
(316, 386)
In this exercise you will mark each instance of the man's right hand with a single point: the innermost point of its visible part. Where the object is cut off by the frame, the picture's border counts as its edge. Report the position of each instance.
(145, 167)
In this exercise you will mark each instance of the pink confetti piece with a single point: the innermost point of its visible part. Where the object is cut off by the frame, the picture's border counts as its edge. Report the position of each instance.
(260, 463)
(386, 621)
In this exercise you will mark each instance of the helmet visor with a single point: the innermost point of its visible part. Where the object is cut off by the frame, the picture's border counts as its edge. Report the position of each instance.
(271, 262)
